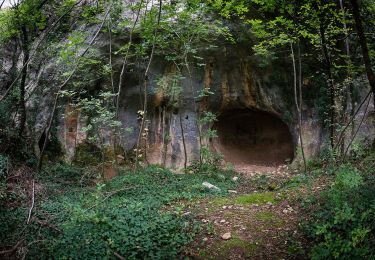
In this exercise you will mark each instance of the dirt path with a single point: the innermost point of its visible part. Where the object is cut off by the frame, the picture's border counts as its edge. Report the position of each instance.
(261, 220)
(249, 171)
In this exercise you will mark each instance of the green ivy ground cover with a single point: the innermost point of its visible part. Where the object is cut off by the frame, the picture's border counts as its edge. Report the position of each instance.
(126, 216)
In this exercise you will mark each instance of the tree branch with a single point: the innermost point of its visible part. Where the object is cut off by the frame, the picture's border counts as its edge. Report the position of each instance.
(32, 203)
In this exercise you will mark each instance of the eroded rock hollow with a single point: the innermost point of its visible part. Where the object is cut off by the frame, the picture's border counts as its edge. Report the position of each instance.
(251, 137)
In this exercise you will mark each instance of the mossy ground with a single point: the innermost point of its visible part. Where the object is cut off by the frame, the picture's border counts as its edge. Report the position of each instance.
(255, 198)
(233, 247)
(264, 224)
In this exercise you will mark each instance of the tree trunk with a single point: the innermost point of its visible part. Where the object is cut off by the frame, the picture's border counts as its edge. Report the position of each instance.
(145, 79)
(22, 106)
(183, 137)
(331, 84)
(298, 106)
(350, 88)
(363, 43)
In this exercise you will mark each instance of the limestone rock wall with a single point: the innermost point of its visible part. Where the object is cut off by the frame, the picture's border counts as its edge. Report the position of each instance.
(238, 82)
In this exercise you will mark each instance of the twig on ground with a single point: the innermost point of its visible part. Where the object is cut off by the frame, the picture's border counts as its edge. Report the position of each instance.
(29, 244)
(47, 224)
(32, 203)
(119, 256)
(14, 248)
(111, 194)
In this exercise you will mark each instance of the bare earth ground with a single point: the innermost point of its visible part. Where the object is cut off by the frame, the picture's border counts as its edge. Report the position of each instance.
(260, 220)
(249, 171)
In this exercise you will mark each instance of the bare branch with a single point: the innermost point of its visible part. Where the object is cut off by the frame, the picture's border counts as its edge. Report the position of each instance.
(14, 248)
(1, 5)
(32, 203)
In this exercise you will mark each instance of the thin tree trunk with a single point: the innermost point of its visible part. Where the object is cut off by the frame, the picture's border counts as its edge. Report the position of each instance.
(350, 88)
(365, 50)
(301, 106)
(331, 84)
(22, 87)
(164, 152)
(145, 78)
(126, 60)
(356, 132)
(183, 139)
(342, 132)
(110, 57)
(296, 101)
(363, 43)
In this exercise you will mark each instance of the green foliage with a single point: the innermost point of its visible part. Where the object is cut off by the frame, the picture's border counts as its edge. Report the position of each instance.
(136, 215)
(170, 88)
(185, 29)
(10, 142)
(207, 118)
(4, 161)
(230, 8)
(343, 226)
(211, 162)
(59, 172)
(7, 29)
(87, 154)
(26, 14)
(100, 117)
(69, 49)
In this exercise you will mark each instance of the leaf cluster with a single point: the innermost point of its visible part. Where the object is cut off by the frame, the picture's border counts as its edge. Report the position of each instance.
(343, 226)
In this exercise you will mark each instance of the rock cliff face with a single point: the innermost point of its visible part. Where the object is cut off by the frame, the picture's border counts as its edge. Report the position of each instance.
(256, 118)
(250, 102)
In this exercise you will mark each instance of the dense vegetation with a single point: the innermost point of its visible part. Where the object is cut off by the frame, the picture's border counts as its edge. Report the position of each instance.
(54, 209)
(134, 215)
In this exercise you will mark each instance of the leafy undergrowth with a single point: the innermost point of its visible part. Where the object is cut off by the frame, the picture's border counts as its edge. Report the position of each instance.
(342, 223)
(156, 214)
(125, 217)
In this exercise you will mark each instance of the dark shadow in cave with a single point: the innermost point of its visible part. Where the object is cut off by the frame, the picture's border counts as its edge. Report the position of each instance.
(253, 138)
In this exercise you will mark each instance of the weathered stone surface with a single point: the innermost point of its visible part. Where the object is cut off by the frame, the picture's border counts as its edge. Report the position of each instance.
(210, 186)
(241, 87)
(226, 236)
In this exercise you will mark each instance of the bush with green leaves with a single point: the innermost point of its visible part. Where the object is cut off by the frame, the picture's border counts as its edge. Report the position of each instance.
(138, 215)
(3, 172)
(343, 225)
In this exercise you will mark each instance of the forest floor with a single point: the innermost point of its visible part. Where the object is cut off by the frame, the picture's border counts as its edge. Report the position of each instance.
(261, 219)
(255, 213)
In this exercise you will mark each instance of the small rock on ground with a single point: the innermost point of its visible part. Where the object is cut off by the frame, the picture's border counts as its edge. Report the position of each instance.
(226, 236)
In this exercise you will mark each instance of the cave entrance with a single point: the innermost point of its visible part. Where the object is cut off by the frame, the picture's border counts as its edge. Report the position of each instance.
(253, 138)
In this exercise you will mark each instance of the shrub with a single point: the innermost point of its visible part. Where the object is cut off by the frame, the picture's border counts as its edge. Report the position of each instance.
(138, 215)
(343, 226)
(3, 172)
(211, 162)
